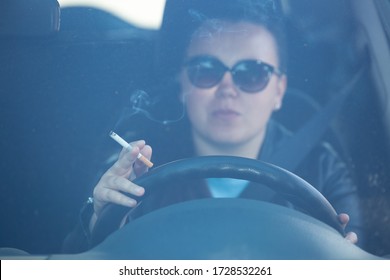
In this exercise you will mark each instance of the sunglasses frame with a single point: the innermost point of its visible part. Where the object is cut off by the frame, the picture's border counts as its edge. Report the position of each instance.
(195, 62)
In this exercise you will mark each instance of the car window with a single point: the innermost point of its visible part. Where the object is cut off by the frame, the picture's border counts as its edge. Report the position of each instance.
(62, 91)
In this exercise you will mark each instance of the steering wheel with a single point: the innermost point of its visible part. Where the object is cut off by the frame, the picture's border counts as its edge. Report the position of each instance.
(283, 182)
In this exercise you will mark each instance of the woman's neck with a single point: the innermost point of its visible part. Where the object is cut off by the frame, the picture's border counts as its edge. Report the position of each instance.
(248, 149)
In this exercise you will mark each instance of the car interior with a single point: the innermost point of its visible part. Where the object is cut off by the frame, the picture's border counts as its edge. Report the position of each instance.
(67, 73)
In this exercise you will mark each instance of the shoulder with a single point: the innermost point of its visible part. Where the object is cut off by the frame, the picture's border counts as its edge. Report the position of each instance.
(318, 163)
(326, 170)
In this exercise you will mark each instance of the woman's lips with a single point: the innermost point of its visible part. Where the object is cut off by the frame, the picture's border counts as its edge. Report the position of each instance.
(225, 114)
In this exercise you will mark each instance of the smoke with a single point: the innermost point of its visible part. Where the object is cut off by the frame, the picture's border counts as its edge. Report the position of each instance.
(157, 109)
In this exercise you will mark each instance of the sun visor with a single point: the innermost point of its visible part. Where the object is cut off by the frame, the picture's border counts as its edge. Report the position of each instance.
(29, 18)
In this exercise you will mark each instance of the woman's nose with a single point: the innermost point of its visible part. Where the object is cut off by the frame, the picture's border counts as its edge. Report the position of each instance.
(226, 87)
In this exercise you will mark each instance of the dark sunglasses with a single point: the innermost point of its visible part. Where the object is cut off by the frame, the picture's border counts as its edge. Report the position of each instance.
(249, 75)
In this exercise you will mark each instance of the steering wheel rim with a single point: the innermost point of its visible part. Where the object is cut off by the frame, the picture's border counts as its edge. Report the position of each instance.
(285, 183)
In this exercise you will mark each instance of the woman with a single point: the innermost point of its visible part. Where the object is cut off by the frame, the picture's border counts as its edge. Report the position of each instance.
(232, 78)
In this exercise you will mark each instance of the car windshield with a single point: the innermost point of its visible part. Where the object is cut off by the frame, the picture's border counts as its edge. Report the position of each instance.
(68, 78)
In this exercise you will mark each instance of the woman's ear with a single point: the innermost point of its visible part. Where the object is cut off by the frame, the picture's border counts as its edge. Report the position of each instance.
(281, 90)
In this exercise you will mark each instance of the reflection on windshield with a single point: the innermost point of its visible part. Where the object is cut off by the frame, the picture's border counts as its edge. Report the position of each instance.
(144, 14)
(60, 96)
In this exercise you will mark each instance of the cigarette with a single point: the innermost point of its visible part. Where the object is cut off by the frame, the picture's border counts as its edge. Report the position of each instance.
(126, 145)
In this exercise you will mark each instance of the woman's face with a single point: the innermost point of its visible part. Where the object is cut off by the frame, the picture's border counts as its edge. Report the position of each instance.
(224, 115)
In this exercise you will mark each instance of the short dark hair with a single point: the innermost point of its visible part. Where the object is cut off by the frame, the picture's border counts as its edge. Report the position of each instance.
(183, 17)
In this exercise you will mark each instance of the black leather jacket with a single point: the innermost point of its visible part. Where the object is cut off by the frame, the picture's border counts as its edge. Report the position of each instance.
(322, 168)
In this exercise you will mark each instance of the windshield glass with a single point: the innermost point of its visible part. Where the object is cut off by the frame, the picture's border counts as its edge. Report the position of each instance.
(127, 66)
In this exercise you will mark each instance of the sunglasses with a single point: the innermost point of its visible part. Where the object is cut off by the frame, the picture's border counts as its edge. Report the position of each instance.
(249, 75)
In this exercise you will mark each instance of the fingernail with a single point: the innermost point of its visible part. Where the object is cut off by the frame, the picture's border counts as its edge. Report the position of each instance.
(132, 203)
(140, 191)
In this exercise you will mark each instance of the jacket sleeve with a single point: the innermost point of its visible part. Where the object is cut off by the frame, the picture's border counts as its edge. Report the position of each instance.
(78, 240)
(330, 175)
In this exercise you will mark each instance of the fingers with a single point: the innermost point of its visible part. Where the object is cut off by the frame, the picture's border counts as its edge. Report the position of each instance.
(124, 165)
(115, 186)
(120, 184)
(351, 237)
(344, 219)
(113, 189)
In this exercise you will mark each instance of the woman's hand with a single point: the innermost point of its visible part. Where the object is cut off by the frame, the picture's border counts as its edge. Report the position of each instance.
(116, 182)
(350, 236)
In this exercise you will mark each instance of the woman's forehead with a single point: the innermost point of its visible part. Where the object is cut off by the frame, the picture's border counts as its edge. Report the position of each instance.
(234, 40)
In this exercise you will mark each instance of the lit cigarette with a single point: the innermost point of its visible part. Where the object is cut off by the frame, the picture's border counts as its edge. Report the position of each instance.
(126, 145)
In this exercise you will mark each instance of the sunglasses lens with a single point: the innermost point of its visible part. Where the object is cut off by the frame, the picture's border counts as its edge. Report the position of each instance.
(205, 72)
(251, 76)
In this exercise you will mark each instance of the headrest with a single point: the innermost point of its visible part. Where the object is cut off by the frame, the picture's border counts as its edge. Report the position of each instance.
(29, 18)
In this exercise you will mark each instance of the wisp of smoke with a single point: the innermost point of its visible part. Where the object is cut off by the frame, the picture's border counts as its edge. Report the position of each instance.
(142, 103)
